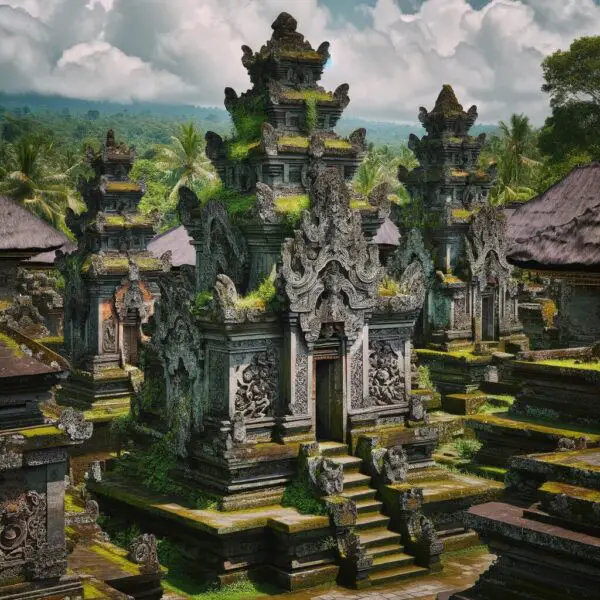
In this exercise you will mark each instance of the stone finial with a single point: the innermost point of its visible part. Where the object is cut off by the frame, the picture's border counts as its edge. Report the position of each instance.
(143, 551)
(284, 24)
(73, 423)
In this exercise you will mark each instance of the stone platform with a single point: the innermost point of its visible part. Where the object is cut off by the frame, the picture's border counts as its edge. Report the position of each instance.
(547, 537)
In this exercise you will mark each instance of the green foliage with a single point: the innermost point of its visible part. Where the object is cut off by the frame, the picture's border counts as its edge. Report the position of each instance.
(467, 448)
(389, 286)
(516, 157)
(311, 116)
(572, 79)
(201, 301)
(424, 377)
(262, 297)
(299, 495)
(248, 117)
(153, 467)
(120, 430)
(236, 204)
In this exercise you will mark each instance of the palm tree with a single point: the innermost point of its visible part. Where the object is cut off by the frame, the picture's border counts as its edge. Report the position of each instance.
(34, 183)
(185, 161)
(516, 165)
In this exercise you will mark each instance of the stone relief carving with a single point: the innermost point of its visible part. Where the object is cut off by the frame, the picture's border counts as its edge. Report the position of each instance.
(388, 465)
(257, 384)
(220, 248)
(486, 245)
(109, 335)
(386, 378)
(264, 208)
(23, 547)
(331, 274)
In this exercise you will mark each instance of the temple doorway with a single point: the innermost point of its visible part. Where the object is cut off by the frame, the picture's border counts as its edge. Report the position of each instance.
(488, 316)
(328, 398)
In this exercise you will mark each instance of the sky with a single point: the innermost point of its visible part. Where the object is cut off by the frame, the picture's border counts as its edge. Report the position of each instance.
(394, 54)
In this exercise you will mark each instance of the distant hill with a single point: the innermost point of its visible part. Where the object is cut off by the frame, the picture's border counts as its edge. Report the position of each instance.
(215, 118)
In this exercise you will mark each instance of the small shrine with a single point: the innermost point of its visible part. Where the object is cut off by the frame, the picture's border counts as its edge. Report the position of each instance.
(33, 466)
(110, 285)
(471, 308)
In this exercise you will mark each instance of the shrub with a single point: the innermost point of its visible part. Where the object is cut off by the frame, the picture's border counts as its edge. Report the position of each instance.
(467, 448)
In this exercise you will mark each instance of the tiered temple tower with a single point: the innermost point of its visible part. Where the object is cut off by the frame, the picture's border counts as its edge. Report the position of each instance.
(472, 298)
(110, 284)
(284, 127)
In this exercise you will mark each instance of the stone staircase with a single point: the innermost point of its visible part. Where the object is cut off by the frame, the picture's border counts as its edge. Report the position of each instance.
(390, 562)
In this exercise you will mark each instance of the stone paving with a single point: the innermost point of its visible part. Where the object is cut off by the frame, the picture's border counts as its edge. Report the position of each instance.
(459, 573)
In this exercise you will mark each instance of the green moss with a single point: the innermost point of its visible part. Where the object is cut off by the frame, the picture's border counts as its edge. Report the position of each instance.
(4, 304)
(301, 54)
(465, 354)
(299, 495)
(360, 204)
(240, 149)
(129, 221)
(43, 430)
(71, 506)
(260, 298)
(467, 448)
(570, 363)
(123, 186)
(388, 287)
(294, 141)
(461, 213)
(424, 377)
(55, 340)
(11, 345)
(116, 556)
(586, 494)
(91, 592)
(292, 207)
(308, 95)
(337, 143)
(201, 301)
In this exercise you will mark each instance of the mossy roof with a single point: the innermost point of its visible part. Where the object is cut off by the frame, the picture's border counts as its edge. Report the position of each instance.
(115, 187)
(464, 355)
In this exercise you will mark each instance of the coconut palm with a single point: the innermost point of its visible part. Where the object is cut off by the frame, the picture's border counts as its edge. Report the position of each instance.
(516, 163)
(33, 182)
(184, 160)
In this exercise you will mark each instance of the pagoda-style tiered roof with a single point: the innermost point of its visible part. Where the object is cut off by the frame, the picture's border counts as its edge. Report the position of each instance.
(448, 154)
(285, 120)
(112, 233)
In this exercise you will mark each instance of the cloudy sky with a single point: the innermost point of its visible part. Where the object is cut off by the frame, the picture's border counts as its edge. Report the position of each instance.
(395, 54)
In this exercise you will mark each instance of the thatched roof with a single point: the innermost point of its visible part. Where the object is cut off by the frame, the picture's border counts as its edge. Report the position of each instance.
(560, 229)
(177, 241)
(23, 232)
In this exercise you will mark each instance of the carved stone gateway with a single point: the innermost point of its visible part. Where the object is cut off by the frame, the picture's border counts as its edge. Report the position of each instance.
(331, 273)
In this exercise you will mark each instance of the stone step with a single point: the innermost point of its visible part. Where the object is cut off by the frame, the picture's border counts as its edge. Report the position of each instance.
(460, 541)
(360, 493)
(387, 550)
(333, 449)
(350, 464)
(371, 521)
(390, 575)
(352, 480)
(376, 538)
(368, 506)
(391, 561)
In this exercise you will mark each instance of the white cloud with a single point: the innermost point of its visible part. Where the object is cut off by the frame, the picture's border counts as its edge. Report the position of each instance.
(189, 50)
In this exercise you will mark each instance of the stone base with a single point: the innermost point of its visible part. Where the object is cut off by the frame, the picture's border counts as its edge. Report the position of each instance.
(536, 560)
(446, 497)
(296, 548)
(67, 588)
(506, 436)
(464, 404)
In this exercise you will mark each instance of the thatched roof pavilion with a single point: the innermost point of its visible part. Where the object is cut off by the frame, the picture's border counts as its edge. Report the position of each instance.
(560, 229)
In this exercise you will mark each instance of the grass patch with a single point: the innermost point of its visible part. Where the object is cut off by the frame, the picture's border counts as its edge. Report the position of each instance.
(301, 54)
(260, 298)
(238, 150)
(201, 301)
(308, 95)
